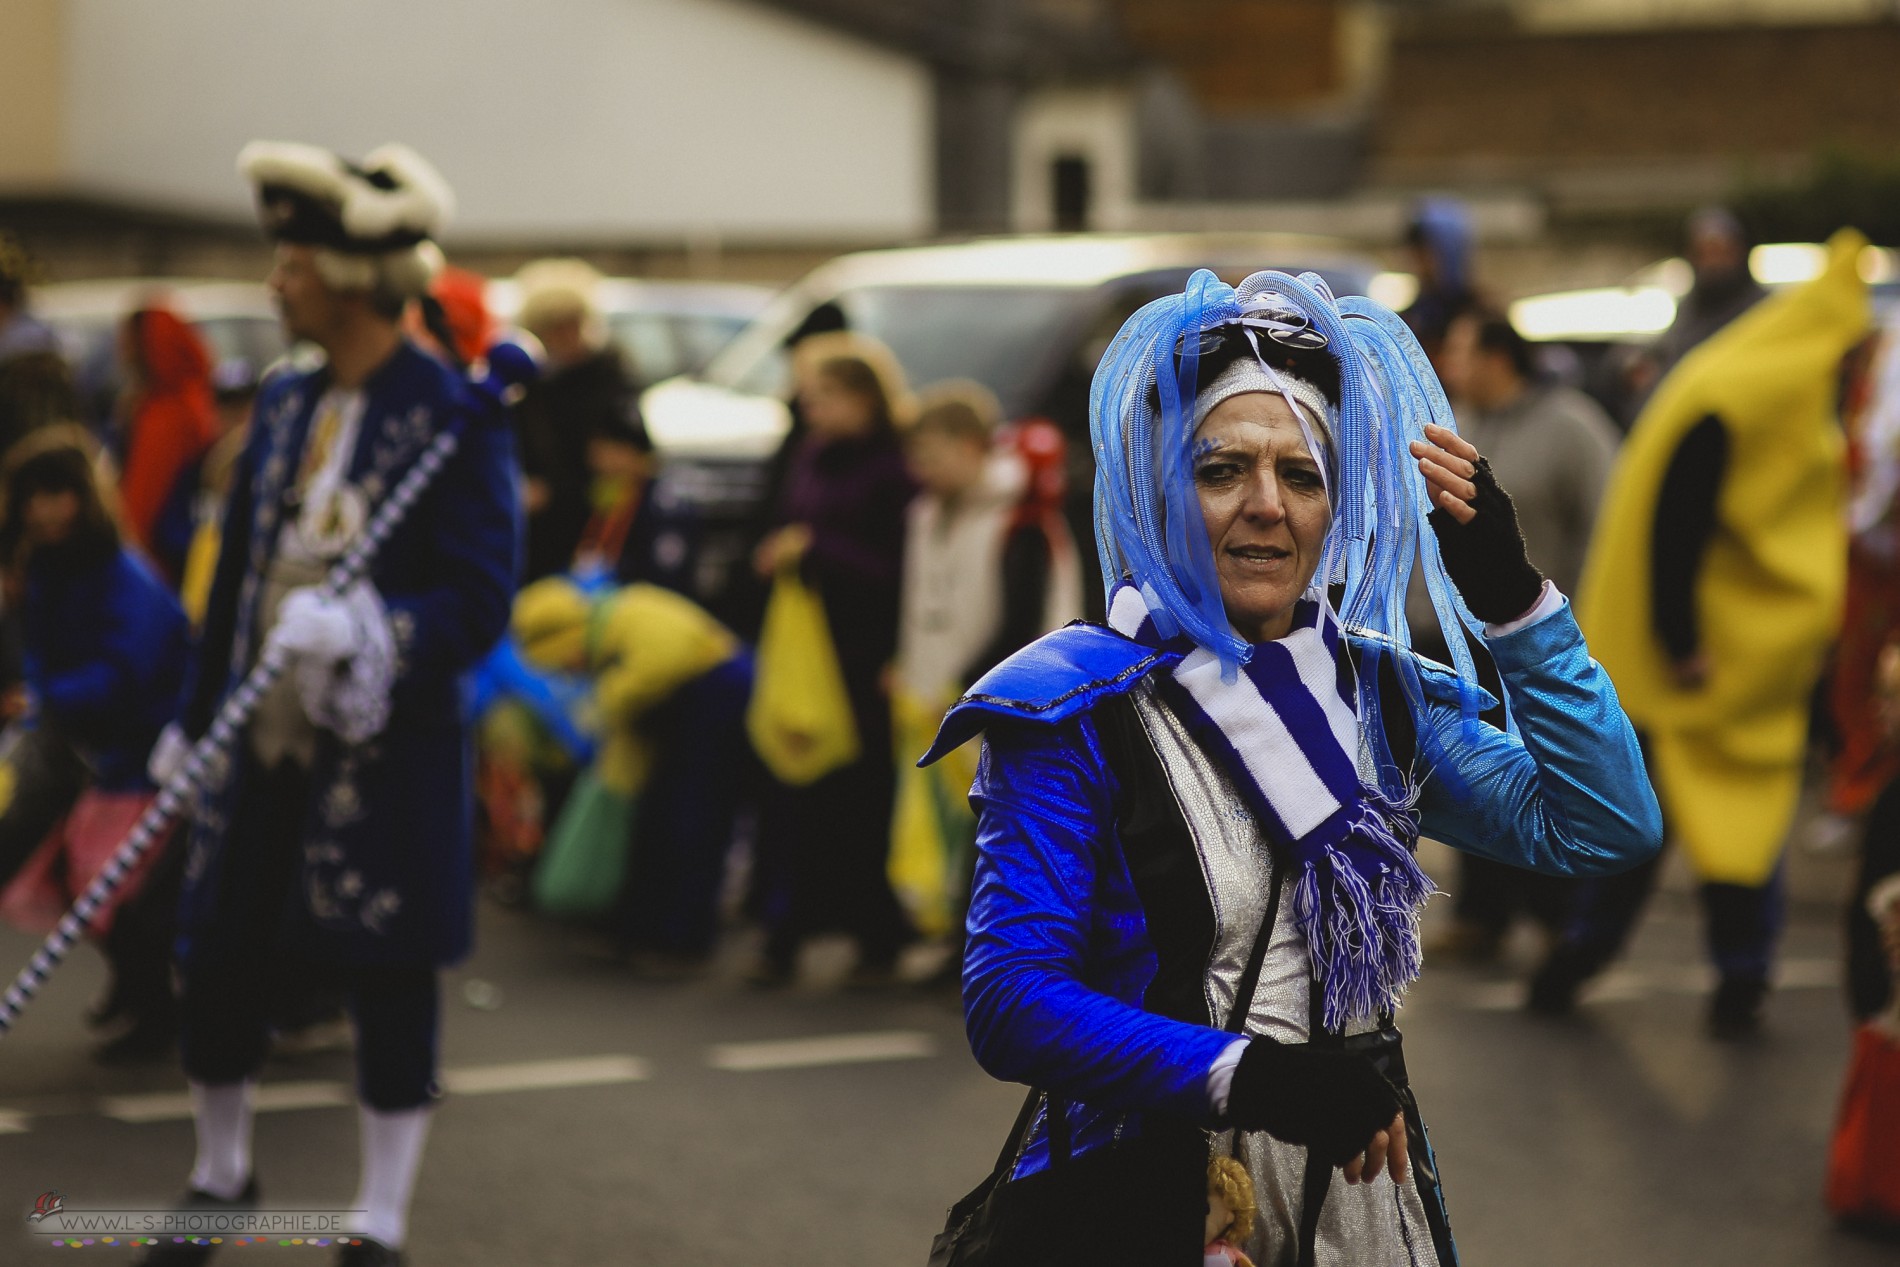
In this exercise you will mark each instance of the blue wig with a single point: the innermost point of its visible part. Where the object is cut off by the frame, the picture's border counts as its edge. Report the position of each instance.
(1148, 523)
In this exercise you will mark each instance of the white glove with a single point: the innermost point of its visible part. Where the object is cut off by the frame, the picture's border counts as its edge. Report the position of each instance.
(168, 755)
(345, 658)
(314, 627)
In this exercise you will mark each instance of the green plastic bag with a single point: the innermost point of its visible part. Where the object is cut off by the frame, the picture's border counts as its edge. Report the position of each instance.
(585, 861)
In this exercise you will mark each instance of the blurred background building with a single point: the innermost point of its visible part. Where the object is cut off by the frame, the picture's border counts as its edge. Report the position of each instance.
(750, 138)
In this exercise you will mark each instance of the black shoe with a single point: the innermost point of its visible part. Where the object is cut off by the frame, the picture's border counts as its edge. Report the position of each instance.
(187, 1253)
(366, 1251)
(1554, 986)
(147, 1040)
(110, 1006)
(1735, 1011)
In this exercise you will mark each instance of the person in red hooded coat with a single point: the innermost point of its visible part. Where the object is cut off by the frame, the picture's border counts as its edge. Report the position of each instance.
(173, 419)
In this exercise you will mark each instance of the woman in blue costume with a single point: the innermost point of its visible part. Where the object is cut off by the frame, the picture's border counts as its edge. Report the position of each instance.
(1216, 797)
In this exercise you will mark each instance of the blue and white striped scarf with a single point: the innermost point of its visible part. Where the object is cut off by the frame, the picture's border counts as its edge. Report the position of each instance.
(1286, 729)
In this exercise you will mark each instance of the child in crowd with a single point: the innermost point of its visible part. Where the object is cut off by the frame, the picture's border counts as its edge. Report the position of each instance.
(104, 644)
(986, 570)
(670, 690)
(989, 567)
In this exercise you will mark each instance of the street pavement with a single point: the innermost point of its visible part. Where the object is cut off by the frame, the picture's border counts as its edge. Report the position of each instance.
(595, 1118)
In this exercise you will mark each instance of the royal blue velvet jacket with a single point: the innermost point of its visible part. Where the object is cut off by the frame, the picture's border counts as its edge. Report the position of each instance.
(1059, 954)
(388, 837)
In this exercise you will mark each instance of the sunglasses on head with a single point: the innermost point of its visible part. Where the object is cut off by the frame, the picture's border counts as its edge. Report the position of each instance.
(1286, 326)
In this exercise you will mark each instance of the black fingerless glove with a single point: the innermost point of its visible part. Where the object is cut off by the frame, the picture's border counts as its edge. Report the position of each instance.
(1328, 1100)
(1485, 558)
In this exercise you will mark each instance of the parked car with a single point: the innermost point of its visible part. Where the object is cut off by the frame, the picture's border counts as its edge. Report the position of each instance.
(663, 328)
(1028, 317)
(238, 321)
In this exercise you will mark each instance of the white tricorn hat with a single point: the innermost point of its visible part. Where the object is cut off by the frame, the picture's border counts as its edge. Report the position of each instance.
(393, 200)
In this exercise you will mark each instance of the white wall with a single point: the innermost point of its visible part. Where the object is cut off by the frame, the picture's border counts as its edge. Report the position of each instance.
(575, 119)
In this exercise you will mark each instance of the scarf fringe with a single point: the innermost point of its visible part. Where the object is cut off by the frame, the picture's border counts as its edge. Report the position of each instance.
(1363, 935)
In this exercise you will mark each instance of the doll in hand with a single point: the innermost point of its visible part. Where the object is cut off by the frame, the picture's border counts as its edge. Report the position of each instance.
(1230, 1211)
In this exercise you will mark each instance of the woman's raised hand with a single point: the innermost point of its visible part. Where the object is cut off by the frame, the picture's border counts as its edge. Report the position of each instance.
(1476, 527)
(1448, 463)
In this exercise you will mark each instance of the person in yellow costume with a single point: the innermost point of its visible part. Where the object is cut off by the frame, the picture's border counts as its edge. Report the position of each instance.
(1711, 593)
(671, 685)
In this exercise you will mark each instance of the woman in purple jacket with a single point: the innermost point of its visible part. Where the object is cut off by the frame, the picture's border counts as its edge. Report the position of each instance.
(840, 519)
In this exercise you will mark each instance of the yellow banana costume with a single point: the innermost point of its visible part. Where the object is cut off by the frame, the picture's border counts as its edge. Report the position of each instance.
(1726, 758)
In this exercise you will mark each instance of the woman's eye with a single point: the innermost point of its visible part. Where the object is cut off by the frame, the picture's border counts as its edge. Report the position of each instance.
(1217, 472)
(1304, 477)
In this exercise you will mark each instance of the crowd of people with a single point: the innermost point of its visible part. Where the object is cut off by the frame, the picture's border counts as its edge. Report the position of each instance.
(661, 749)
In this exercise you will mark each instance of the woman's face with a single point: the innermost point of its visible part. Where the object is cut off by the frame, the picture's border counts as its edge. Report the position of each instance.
(1264, 502)
(833, 410)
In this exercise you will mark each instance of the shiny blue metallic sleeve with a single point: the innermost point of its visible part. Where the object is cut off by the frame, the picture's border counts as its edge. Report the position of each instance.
(1058, 955)
(1572, 795)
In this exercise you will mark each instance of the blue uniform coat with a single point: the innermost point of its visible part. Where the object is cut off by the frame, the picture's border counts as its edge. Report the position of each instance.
(386, 873)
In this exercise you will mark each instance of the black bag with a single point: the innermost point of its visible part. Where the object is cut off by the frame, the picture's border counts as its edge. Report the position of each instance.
(1141, 1200)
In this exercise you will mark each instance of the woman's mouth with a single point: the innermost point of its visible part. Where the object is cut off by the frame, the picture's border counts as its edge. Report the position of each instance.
(1259, 556)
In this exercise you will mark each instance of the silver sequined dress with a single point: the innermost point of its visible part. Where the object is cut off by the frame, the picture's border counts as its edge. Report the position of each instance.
(1379, 1224)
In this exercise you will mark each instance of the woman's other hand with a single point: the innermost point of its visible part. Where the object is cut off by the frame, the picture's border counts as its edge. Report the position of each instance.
(1387, 1151)
(1334, 1102)
(1477, 531)
(781, 549)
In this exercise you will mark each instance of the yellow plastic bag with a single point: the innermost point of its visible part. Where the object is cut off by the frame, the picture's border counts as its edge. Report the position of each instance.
(799, 719)
(934, 828)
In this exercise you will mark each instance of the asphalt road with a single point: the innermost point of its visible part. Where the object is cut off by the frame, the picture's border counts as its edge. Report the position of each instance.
(595, 1118)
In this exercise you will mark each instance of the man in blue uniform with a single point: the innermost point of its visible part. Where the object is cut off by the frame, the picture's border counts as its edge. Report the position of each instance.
(335, 840)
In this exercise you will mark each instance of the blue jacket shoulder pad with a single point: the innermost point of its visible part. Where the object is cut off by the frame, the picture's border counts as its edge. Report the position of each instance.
(1054, 678)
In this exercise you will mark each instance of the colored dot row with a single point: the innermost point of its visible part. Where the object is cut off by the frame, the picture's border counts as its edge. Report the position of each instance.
(75, 1242)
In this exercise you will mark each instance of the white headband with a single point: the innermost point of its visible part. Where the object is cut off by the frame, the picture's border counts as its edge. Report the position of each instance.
(1308, 403)
(1248, 374)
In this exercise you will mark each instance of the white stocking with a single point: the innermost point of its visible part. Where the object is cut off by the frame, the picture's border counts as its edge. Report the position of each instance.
(222, 1114)
(392, 1154)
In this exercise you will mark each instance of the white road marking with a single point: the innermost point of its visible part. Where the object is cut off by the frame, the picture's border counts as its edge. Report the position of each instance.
(271, 1097)
(546, 1075)
(831, 1049)
(12, 1123)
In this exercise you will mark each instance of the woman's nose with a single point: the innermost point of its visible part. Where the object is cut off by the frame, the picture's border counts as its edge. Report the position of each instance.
(1263, 504)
